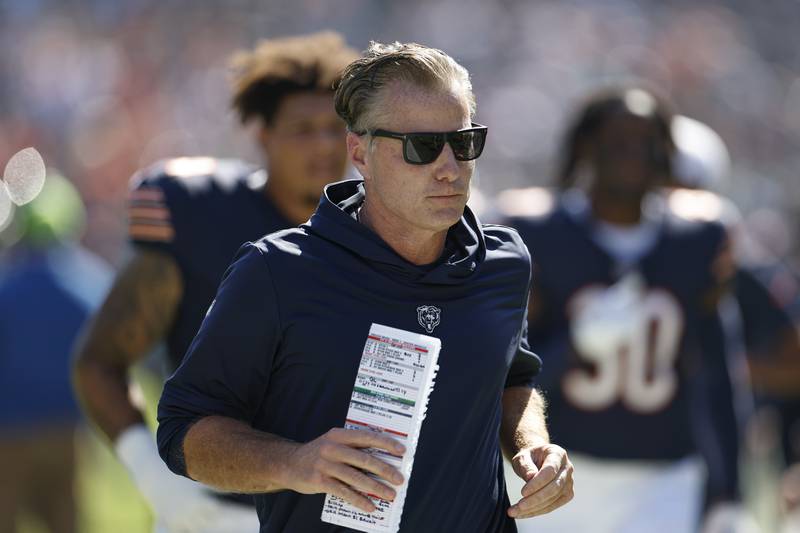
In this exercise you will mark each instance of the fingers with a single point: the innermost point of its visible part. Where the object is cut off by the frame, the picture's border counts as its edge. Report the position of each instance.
(363, 461)
(552, 465)
(524, 466)
(337, 488)
(366, 439)
(549, 497)
(562, 500)
(361, 482)
(338, 463)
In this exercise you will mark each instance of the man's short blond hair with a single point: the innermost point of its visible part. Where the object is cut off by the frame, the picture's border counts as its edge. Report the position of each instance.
(361, 84)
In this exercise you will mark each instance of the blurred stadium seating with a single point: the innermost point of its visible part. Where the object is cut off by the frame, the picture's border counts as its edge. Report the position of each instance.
(102, 88)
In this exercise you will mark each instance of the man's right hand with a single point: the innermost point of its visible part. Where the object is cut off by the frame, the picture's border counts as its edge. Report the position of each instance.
(336, 463)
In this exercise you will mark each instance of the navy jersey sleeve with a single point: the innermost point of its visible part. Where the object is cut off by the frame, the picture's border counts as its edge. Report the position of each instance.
(228, 366)
(151, 209)
(763, 317)
(714, 417)
(713, 392)
(163, 199)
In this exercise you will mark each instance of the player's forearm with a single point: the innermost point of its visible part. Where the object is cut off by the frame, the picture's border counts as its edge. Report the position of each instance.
(135, 315)
(523, 422)
(103, 393)
(230, 455)
(769, 378)
(778, 374)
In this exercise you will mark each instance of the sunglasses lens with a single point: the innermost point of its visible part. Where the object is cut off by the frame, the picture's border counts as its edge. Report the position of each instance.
(467, 145)
(423, 148)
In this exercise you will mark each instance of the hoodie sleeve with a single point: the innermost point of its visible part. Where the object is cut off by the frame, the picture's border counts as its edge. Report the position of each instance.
(526, 364)
(227, 368)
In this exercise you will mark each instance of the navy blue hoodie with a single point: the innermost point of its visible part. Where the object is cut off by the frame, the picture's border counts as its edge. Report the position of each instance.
(280, 348)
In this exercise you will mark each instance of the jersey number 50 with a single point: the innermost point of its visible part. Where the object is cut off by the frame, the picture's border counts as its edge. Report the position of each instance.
(639, 370)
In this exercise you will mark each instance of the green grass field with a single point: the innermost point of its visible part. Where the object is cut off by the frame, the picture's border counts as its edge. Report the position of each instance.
(107, 500)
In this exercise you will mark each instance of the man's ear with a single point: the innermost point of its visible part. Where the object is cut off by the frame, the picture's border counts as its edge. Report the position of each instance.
(357, 148)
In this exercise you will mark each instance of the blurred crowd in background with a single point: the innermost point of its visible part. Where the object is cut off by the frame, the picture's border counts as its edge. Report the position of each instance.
(102, 88)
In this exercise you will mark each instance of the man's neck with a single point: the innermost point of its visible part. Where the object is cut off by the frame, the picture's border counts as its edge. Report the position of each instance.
(295, 210)
(611, 208)
(418, 247)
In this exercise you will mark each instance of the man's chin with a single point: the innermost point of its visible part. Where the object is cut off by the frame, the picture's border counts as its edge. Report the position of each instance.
(446, 218)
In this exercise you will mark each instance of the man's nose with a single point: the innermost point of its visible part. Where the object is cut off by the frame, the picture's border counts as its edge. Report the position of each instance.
(446, 165)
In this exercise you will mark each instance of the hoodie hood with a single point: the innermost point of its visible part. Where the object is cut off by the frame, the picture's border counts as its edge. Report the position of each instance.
(335, 221)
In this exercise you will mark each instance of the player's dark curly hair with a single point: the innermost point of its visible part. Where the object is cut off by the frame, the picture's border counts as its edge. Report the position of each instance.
(276, 68)
(604, 105)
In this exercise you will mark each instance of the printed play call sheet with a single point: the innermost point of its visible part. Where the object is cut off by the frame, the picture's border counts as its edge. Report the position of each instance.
(390, 395)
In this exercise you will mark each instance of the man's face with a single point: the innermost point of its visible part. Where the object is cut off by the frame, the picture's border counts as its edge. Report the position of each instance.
(305, 145)
(627, 156)
(413, 198)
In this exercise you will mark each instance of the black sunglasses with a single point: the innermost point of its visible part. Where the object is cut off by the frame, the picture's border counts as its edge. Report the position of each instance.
(424, 147)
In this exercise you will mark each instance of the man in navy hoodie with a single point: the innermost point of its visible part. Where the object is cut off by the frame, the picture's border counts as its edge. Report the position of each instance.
(260, 399)
(188, 217)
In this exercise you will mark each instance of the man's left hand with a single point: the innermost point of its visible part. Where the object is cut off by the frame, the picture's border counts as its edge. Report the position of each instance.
(547, 472)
